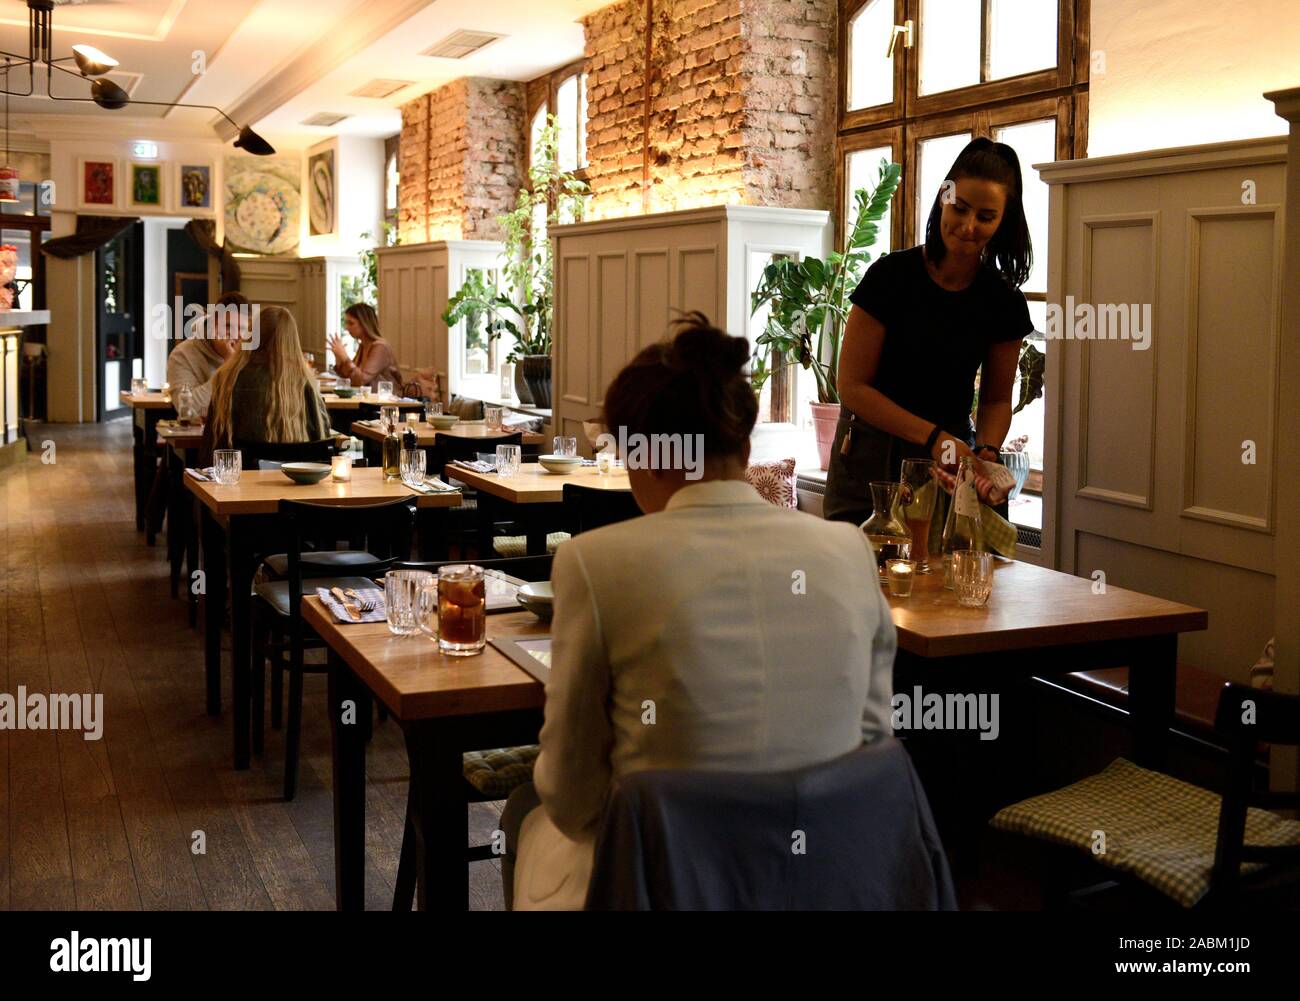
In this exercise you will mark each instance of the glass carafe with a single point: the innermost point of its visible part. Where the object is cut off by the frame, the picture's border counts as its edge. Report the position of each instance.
(962, 529)
(889, 537)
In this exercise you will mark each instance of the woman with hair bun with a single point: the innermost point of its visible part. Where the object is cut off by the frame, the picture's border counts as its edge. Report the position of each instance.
(759, 633)
(923, 322)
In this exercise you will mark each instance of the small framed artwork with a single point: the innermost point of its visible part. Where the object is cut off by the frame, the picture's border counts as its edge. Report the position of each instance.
(322, 188)
(195, 186)
(145, 186)
(96, 182)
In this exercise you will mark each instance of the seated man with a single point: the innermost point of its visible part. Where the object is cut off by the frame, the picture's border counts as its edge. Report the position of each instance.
(209, 341)
(717, 633)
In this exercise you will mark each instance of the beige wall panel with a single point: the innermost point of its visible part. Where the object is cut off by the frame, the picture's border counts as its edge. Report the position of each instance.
(578, 354)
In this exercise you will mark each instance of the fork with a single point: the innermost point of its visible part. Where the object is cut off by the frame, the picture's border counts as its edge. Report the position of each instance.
(364, 604)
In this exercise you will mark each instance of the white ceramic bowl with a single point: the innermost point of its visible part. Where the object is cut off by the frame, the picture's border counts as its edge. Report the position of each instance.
(444, 422)
(538, 599)
(560, 463)
(305, 472)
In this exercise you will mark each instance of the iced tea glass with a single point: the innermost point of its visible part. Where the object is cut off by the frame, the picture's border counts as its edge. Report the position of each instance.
(462, 610)
(917, 495)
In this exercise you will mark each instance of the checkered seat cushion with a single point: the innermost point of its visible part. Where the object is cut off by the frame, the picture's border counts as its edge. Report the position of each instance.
(1157, 828)
(495, 774)
(513, 546)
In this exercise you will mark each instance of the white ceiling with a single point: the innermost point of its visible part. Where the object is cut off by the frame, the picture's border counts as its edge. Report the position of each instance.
(286, 60)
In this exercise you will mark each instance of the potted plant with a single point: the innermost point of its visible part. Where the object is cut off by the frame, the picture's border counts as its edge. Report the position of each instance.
(521, 303)
(1015, 453)
(809, 306)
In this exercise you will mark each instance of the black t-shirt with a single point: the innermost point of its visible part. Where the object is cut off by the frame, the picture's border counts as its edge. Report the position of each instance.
(936, 340)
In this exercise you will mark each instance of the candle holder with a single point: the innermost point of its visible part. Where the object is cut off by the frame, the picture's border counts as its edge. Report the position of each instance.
(341, 468)
(900, 574)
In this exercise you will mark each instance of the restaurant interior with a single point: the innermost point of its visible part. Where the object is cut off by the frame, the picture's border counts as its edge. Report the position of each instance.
(653, 455)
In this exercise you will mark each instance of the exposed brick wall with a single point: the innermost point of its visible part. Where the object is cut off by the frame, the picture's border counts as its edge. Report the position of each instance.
(742, 104)
(462, 160)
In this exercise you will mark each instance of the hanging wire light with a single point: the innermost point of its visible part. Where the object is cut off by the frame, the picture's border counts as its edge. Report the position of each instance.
(9, 180)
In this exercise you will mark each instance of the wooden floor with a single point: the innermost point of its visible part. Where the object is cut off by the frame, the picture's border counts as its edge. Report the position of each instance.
(112, 824)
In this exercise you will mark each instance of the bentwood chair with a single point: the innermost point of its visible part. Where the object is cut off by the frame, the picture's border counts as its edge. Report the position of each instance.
(489, 775)
(278, 608)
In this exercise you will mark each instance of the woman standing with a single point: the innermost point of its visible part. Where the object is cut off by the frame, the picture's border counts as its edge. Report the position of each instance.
(375, 361)
(923, 322)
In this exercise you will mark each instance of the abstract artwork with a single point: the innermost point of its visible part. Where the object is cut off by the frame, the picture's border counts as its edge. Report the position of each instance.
(146, 191)
(98, 182)
(322, 191)
(194, 186)
(262, 209)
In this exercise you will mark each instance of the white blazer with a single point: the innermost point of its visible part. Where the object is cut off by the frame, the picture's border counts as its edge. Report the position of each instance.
(720, 634)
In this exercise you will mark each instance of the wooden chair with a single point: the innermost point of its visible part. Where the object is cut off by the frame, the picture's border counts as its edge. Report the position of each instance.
(586, 508)
(467, 521)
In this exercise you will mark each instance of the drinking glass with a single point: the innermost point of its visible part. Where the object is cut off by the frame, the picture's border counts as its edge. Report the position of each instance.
(227, 464)
(185, 403)
(901, 574)
(402, 600)
(604, 463)
(492, 417)
(413, 466)
(565, 445)
(139, 387)
(508, 459)
(918, 493)
(388, 417)
(433, 410)
(972, 576)
(462, 610)
(385, 390)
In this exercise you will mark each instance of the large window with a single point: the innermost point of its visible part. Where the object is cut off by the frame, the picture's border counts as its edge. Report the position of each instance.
(921, 78)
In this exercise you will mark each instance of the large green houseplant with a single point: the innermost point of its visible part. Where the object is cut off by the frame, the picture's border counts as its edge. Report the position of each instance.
(808, 303)
(518, 298)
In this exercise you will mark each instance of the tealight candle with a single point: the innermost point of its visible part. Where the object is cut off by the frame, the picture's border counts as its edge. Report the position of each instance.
(901, 574)
(341, 468)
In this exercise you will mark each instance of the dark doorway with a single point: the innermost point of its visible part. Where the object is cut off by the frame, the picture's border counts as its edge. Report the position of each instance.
(187, 275)
(119, 298)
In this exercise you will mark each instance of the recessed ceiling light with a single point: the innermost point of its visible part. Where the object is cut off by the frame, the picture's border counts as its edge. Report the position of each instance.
(460, 44)
(380, 89)
(324, 119)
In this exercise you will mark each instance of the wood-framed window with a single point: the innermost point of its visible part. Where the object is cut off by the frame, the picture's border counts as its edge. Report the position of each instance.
(564, 94)
(392, 182)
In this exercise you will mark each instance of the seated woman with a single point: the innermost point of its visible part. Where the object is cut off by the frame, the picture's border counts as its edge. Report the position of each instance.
(375, 361)
(267, 394)
(757, 636)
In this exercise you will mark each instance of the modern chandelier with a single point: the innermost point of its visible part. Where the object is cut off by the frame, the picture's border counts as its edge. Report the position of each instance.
(91, 62)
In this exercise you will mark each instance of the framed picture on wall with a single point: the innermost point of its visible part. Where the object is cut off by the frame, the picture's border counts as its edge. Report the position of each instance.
(322, 189)
(97, 182)
(145, 186)
(194, 188)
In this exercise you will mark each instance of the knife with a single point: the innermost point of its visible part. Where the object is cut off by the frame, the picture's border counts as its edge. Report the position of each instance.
(347, 606)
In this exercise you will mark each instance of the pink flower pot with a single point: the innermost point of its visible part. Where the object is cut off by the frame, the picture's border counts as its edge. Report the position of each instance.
(825, 416)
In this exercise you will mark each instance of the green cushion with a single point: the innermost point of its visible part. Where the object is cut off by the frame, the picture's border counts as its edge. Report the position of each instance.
(514, 546)
(495, 774)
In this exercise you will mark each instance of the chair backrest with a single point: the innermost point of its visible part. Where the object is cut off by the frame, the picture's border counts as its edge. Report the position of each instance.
(295, 451)
(526, 568)
(854, 833)
(586, 508)
(448, 448)
(1247, 717)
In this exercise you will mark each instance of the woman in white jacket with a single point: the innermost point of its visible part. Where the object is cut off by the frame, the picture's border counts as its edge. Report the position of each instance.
(718, 632)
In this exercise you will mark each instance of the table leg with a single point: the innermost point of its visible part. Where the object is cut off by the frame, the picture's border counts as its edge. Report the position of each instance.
(150, 471)
(431, 530)
(535, 530)
(241, 582)
(214, 605)
(190, 519)
(1152, 689)
(177, 495)
(441, 815)
(137, 455)
(348, 747)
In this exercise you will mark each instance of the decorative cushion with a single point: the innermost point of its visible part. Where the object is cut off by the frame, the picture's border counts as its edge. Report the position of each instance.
(1156, 827)
(514, 546)
(465, 408)
(495, 774)
(774, 481)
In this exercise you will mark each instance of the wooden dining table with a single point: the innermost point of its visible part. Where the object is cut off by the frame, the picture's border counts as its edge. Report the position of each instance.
(371, 434)
(236, 520)
(147, 410)
(533, 495)
(1037, 621)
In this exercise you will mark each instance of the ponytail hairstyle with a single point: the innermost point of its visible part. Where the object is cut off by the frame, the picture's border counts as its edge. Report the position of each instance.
(1009, 252)
(692, 384)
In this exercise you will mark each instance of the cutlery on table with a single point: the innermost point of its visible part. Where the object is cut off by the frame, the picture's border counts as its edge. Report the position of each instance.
(365, 604)
(348, 607)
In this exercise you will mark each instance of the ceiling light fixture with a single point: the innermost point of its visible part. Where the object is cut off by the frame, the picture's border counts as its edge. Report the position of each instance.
(91, 62)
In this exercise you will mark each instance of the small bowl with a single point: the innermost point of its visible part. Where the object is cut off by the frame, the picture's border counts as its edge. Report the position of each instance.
(444, 422)
(305, 472)
(537, 598)
(560, 463)
(345, 392)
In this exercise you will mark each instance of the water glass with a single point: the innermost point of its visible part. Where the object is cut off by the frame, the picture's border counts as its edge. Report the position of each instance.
(492, 417)
(433, 410)
(462, 610)
(565, 445)
(413, 460)
(604, 463)
(388, 418)
(139, 387)
(385, 390)
(404, 600)
(227, 464)
(508, 459)
(972, 576)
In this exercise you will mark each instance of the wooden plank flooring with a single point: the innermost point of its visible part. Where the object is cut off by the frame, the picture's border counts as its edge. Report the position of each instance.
(85, 607)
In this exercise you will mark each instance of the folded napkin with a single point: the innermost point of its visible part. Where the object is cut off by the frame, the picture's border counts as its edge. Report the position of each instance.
(999, 534)
(475, 465)
(377, 614)
(206, 473)
(433, 485)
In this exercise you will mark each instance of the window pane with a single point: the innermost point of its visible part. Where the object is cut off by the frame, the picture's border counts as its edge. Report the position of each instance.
(535, 132)
(393, 180)
(950, 44)
(480, 351)
(566, 101)
(862, 170)
(871, 73)
(935, 156)
(582, 120)
(1022, 37)
(1034, 142)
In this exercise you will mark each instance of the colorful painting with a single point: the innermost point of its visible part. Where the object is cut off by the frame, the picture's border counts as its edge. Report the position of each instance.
(321, 192)
(146, 186)
(262, 209)
(98, 182)
(194, 186)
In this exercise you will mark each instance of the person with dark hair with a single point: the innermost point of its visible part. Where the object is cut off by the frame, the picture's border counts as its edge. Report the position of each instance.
(716, 633)
(923, 322)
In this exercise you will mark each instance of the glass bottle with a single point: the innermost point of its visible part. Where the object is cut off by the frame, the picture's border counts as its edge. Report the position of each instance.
(185, 403)
(962, 529)
(889, 537)
(392, 456)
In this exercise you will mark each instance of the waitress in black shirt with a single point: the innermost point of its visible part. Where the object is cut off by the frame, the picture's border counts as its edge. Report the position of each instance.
(923, 322)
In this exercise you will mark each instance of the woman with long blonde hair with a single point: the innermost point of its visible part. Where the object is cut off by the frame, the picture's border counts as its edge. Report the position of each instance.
(376, 360)
(268, 393)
